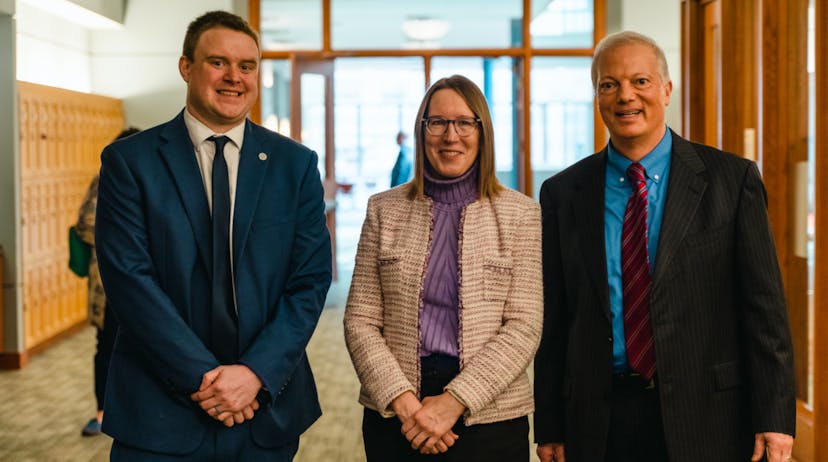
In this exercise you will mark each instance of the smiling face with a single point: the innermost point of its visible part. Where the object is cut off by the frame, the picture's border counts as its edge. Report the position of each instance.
(631, 97)
(450, 154)
(222, 79)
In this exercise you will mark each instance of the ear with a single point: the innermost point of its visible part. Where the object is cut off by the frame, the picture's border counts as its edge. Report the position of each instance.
(668, 90)
(184, 68)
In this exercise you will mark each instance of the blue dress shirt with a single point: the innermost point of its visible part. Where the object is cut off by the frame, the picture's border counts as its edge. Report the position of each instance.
(657, 165)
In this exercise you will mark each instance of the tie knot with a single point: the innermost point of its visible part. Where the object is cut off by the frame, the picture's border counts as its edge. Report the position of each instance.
(220, 142)
(636, 173)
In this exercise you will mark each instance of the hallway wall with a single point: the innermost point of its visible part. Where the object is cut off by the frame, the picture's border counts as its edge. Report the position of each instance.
(139, 64)
(52, 51)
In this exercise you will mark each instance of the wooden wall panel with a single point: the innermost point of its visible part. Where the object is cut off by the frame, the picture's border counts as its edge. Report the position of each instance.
(783, 143)
(820, 404)
(692, 70)
(712, 44)
(720, 72)
(739, 73)
(62, 134)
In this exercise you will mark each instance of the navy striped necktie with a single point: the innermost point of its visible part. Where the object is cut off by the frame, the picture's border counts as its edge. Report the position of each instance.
(225, 331)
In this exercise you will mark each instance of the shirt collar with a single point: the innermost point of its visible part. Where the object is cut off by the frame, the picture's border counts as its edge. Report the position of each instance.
(200, 132)
(655, 163)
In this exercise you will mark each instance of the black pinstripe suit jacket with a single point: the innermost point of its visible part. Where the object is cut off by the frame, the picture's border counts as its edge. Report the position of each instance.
(720, 326)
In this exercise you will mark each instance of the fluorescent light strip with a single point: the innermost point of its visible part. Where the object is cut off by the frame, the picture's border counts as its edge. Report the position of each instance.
(75, 13)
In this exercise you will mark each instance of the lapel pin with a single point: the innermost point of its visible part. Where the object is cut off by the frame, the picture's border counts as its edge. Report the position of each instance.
(262, 156)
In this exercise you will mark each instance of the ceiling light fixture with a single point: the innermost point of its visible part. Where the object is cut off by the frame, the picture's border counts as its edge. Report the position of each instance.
(75, 13)
(425, 29)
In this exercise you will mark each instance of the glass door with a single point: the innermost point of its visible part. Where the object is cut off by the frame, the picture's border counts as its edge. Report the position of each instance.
(375, 109)
(312, 124)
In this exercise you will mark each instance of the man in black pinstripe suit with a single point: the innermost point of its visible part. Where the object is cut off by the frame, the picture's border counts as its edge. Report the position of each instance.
(716, 323)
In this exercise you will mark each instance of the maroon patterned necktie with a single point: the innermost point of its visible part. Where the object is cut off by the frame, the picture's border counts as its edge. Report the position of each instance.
(635, 277)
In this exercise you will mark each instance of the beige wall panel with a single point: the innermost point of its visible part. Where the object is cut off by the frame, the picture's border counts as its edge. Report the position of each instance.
(62, 134)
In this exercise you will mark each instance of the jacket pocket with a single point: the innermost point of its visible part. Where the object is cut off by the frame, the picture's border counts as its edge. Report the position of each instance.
(390, 275)
(497, 278)
(387, 259)
(728, 375)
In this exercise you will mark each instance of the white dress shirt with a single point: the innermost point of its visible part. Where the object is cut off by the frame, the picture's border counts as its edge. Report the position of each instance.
(205, 151)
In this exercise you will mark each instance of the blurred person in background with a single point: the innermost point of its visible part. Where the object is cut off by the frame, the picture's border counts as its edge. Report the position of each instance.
(404, 166)
(105, 322)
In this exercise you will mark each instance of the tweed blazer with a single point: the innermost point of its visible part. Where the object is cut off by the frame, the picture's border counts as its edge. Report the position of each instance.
(86, 231)
(501, 302)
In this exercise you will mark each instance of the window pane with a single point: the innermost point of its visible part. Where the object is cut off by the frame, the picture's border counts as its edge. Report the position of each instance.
(561, 24)
(374, 99)
(276, 95)
(561, 114)
(386, 24)
(313, 116)
(496, 78)
(291, 25)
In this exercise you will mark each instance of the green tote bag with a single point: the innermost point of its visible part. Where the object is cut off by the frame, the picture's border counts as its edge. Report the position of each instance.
(79, 254)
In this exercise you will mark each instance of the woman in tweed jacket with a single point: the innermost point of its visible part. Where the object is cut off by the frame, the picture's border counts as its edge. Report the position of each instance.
(445, 308)
(107, 326)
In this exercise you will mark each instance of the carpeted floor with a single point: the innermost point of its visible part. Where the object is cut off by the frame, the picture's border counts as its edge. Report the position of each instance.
(44, 406)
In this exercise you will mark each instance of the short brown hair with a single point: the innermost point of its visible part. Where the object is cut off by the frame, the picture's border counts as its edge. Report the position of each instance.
(487, 184)
(211, 20)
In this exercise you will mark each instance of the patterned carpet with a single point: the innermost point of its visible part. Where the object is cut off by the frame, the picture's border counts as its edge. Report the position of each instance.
(44, 405)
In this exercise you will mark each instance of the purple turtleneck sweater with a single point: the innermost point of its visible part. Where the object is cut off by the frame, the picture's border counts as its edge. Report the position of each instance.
(439, 319)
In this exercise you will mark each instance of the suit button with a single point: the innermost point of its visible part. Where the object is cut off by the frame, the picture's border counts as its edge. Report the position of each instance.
(610, 339)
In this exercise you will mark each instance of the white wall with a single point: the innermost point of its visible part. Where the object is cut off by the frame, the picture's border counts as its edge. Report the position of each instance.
(11, 287)
(112, 9)
(660, 20)
(139, 64)
(52, 51)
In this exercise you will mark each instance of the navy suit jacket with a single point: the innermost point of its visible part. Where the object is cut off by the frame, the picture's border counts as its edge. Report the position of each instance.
(720, 328)
(154, 249)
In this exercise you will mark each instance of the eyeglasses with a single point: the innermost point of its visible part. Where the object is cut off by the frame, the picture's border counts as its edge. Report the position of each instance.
(464, 126)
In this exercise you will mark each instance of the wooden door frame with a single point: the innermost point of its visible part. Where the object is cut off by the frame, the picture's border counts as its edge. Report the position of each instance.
(763, 87)
(820, 404)
(325, 67)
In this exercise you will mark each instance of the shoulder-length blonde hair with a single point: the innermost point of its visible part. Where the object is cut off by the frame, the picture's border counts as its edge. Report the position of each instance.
(487, 184)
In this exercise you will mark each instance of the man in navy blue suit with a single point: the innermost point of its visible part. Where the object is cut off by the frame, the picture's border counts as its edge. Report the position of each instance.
(216, 259)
